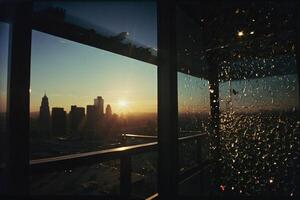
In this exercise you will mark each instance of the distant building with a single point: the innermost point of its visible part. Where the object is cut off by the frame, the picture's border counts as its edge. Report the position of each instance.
(108, 111)
(91, 116)
(99, 104)
(76, 118)
(59, 122)
(44, 116)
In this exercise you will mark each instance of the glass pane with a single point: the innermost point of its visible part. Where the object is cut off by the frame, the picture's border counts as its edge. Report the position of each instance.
(193, 106)
(128, 27)
(4, 39)
(85, 99)
(86, 93)
(247, 53)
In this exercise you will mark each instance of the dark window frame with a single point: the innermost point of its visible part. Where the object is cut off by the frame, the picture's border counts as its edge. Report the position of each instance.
(19, 16)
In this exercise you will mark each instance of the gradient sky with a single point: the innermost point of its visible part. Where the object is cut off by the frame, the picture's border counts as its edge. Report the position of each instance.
(78, 73)
(74, 74)
(3, 64)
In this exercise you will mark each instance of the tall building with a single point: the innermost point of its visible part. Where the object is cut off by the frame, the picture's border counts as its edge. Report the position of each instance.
(76, 118)
(91, 116)
(108, 111)
(99, 104)
(59, 122)
(44, 117)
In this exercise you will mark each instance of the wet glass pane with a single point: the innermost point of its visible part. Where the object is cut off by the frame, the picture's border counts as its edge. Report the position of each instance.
(247, 54)
(4, 39)
(193, 106)
(91, 91)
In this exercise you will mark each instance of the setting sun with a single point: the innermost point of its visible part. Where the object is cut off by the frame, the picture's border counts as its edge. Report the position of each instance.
(123, 103)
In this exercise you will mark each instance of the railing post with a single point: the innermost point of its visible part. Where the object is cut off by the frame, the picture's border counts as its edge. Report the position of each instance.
(125, 176)
(123, 139)
(199, 151)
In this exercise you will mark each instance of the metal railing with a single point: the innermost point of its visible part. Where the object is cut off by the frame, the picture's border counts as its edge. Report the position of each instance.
(124, 153)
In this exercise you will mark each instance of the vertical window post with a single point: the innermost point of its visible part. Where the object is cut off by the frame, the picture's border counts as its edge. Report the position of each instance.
(18, 99)
(167, 101)
(297, 23)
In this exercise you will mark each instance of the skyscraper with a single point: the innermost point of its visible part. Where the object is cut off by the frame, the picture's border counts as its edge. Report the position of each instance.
(99, 104)
(76, 117)
(59, 122)
(44, 117)
(91, 117)
(108, 111)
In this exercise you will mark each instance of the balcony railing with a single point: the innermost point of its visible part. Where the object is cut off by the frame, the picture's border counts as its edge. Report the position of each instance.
(124, 153)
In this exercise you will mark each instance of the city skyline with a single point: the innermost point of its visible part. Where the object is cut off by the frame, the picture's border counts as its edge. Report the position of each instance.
(90, 72)
(78, 120)
(102, 108)
(85, 71)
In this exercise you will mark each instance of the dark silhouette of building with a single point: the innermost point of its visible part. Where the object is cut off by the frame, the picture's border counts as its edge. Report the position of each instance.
(76, 118)
(44, 117)
(99, 104)
(108, 111)
(59, 122)
(91, 117)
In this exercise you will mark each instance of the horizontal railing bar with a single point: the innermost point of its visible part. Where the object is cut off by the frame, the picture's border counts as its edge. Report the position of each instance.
(140, 136)
(192, 136)
(81, 159)
(94, 153)
(189, 172)
(124, 153)
(180, 139)
(152, 197)
(190, 131)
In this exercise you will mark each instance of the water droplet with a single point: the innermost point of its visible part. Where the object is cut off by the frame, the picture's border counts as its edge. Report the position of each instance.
(222, 187)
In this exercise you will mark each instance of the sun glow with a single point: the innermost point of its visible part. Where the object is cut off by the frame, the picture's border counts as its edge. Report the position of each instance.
(123, 103)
